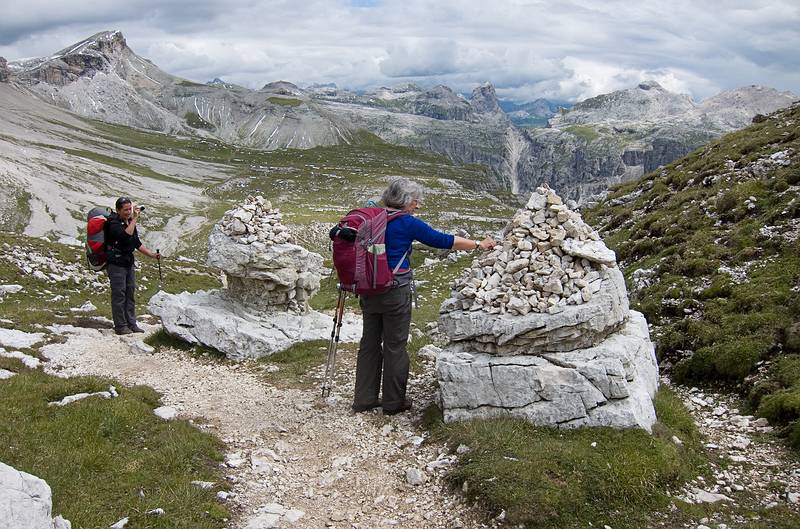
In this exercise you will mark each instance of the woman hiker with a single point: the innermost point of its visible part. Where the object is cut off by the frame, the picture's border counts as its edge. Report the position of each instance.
(122, 239)
(382, 352)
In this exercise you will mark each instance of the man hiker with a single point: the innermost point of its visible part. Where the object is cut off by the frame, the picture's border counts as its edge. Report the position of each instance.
(121, 240)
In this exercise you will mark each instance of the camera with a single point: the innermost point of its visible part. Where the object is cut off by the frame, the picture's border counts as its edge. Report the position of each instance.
(140, 208)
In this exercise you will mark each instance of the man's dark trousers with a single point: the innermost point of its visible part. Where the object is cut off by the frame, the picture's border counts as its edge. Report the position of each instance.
(123, 292)
(387, 318)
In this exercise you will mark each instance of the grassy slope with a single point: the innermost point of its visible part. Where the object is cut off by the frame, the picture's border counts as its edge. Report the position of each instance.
(109, 459)
(548, 478)
(690, 222)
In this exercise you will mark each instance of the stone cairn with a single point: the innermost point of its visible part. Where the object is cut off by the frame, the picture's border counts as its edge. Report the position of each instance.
(540, 329)
(269, 281)
(263, 267)
(549, 258)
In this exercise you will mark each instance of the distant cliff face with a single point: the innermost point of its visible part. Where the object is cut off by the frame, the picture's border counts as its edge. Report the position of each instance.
(620, 136)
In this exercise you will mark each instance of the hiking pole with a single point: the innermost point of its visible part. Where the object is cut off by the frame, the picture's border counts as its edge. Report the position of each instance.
(330, 365)
(160, 278)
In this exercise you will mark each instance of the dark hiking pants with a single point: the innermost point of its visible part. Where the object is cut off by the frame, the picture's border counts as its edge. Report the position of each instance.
(382, 350)
(123, 292)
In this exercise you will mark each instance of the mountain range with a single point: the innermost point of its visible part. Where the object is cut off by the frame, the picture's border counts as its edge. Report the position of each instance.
(600, 141)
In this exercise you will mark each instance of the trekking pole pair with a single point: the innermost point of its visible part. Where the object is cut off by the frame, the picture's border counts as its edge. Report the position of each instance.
(330, 365)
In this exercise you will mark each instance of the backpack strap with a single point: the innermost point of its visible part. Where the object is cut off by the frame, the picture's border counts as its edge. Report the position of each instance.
(400, 262)
(390, 216)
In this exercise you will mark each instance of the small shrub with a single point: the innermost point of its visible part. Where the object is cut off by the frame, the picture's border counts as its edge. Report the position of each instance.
(790, 338)
(793, 175)
(722, 362)
(781, 407)
(726, 203)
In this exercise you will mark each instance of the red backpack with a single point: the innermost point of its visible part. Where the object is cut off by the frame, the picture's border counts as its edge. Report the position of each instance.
(95, 238)
(359, 251)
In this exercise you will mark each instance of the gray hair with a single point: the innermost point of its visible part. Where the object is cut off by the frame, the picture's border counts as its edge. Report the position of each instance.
(400, 193)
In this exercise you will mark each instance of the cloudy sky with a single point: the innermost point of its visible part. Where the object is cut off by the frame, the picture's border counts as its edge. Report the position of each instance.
(561, 50)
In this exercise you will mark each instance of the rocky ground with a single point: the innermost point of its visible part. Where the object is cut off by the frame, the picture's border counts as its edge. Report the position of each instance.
(296, 460)
(751, 469)
(293, 459)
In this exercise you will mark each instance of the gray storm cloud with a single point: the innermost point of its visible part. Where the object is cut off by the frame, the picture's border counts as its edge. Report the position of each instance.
(560, 50)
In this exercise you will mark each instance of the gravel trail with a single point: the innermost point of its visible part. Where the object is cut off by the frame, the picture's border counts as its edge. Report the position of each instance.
(293, 460)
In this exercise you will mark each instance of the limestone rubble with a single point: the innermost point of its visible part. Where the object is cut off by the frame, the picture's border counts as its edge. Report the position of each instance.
(540, 329)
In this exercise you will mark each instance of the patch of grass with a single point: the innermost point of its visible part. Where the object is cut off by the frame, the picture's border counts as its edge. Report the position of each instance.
(109, 459)
(548, 478)
(295, 364)
(196, 121)
(584, 132)
(285, 101)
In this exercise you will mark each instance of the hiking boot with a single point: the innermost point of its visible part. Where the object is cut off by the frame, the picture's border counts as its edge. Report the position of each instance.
(407, 405)
(358, 408)
(136, 328)
(123, 330)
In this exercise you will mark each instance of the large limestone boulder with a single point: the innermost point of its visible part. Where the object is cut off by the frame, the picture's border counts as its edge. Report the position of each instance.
(264, 307)
(26, 502)
(610, 384)
(540, 329)
(213, 319)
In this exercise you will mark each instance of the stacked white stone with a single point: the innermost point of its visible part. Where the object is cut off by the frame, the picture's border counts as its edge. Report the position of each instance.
(540, 329)
(269, 282)
(256, 220)
(549, 258)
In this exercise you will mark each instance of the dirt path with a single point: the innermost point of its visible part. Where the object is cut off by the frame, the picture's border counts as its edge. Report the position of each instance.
(294, 460)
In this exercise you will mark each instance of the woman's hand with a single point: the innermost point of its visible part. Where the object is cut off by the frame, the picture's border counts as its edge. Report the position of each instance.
(487, 244)
(460, 243)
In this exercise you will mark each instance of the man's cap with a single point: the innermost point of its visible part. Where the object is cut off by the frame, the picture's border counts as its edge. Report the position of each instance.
(121, 201)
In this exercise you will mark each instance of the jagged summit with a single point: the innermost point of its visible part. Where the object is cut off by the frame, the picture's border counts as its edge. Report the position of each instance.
(484, 99)
(103, 42)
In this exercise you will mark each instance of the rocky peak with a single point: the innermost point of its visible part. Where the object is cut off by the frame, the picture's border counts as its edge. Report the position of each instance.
(484, 99)
(3, 70)
(648, 101)
(648, 85)
(735, 108)
(282, 87)
(105, 43)
(83, 59)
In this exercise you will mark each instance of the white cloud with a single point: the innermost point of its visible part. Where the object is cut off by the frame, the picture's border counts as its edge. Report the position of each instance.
(563, 50)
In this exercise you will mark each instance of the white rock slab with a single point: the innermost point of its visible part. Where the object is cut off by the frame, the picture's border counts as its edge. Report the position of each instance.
(13, 338)
(610, 384)
(141, 348)
(211, 319)
(69, 399)
(31, 362)
(10, 289)
(167, 413)
(595, 251)
(5, 374)
(26, 502)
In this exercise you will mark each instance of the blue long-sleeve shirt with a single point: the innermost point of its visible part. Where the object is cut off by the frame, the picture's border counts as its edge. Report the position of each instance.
(401, 232)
